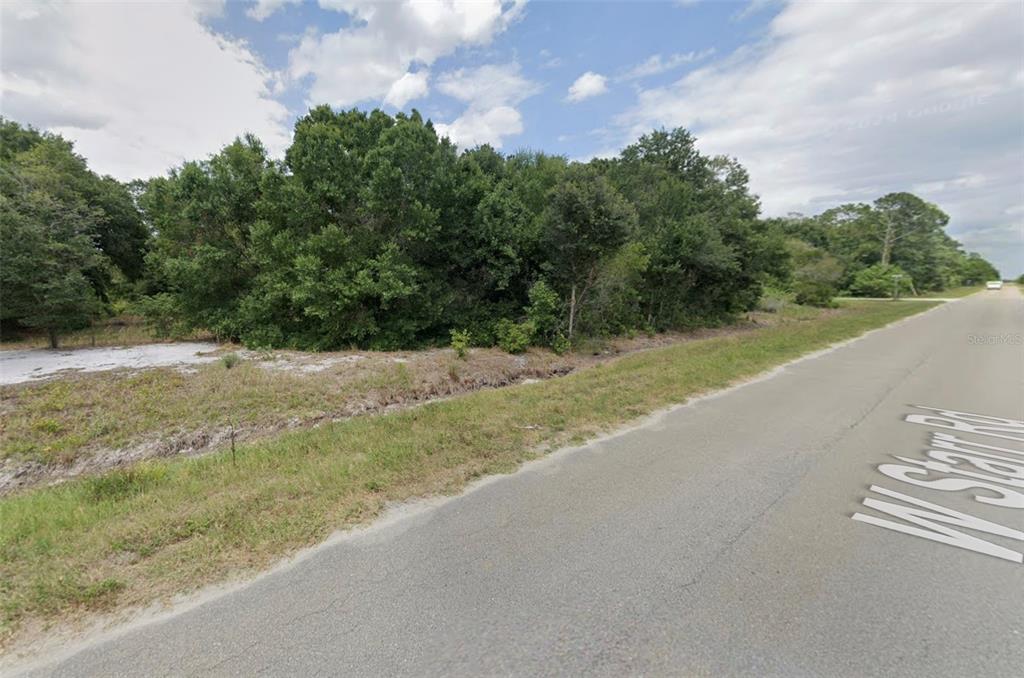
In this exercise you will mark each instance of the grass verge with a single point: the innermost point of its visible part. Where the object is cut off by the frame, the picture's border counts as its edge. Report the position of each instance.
(954, 292)
(133, 536)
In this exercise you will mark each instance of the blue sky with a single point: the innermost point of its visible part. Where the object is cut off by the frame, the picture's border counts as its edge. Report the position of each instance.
(553, 44)
(823, 102)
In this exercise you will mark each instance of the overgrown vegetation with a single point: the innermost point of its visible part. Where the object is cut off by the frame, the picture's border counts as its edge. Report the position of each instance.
(163, 527)
(372, 231)
(60, 422)
(897, 245)
(375, 232)
(121, 330)
(70, 240)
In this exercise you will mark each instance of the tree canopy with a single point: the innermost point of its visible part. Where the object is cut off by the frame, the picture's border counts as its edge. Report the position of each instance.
(68, 235)
(374, 231)
(899, 231)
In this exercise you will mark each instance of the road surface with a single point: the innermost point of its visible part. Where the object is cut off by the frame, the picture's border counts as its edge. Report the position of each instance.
(763, 531)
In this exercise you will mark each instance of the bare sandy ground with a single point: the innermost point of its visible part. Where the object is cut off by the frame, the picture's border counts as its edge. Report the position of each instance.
(21, 366)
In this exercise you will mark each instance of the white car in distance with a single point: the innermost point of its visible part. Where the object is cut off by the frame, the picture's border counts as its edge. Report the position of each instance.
(994, 285)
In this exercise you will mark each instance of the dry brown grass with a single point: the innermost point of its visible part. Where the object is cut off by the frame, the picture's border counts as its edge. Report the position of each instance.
(91, 422)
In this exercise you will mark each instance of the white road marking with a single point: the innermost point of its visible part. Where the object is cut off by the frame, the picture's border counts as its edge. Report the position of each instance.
(930, 520)
(960, 465)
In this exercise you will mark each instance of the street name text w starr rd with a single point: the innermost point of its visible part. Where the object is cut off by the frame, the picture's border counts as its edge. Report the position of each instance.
(991, 474)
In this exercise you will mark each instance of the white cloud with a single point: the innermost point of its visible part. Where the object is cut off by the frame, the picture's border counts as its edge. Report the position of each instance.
(588, 85)
(548, 60)
(847, 101)
(208, 9)
(262, 9)
(490, 126)
(491, 92)
(489, 85)
(410, 86)
(363, 61)
(751, 8)
(138, 87)
(656, 64)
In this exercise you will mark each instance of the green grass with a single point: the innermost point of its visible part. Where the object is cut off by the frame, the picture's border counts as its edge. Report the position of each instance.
(133, 536)
(58, 420)
(951, 293)
(954, 292)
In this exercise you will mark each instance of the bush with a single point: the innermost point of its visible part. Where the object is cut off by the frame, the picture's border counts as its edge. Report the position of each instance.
(120, 307)
(561, 344)
(613, 304)
(161, 314)
(774, 300)
(514, 337)
(230, 360)
(878, 281)
(816, 274)
(263, 338)
(544, 311)
(810, 293)
(460, 342)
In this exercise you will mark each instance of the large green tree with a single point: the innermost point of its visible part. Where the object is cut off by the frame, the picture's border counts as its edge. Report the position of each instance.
(708, 253)
(898, 229)
(48, 249)
(375, 231)
(586, 221)
(117, 228)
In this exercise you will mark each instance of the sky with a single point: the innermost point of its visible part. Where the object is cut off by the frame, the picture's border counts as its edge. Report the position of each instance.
(824, 102)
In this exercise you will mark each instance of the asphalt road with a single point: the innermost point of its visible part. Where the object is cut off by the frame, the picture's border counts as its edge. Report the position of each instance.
(717, 539)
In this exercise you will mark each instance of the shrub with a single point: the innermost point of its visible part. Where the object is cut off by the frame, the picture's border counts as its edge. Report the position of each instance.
(816, 274)
(161, 314)
(880, 281)
(612, 306)
(561, 344)
(544, 311)
(460, 342)
(119, 307)
(263, 338)
(514, 337)
(230, 360)
(774, 299)
(810, 293)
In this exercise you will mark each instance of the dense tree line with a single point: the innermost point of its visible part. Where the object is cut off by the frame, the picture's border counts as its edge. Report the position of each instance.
(69, 240)
(374, 231)
(897, 244)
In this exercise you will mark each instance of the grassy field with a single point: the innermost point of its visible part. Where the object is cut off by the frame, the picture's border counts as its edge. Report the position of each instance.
(133, 536)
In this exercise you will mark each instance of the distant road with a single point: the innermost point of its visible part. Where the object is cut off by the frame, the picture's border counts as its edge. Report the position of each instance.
(796, 526)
